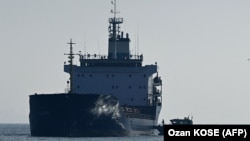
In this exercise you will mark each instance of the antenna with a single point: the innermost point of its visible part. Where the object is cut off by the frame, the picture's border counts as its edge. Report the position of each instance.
(98, 46)
(85, 46)
(114, 10)
(71, 57)
(114, 27)
(135, 44)
(138, 34)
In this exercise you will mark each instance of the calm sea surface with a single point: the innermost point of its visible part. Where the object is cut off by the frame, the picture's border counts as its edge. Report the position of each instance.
(21, 132)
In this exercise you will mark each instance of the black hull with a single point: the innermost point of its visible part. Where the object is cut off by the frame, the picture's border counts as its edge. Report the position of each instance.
(72, 115)
(75, 115)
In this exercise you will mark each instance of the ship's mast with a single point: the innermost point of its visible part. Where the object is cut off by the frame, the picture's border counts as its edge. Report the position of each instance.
(114, 27)
(71, 57)
(114, 11)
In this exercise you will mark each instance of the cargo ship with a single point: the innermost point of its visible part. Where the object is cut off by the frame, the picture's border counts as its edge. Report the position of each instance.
(107, 95)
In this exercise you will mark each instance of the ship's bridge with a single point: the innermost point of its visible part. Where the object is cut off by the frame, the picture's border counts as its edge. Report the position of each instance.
(103, 61)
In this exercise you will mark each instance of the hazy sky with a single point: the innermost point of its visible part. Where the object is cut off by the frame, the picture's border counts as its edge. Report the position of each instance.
(201, 47)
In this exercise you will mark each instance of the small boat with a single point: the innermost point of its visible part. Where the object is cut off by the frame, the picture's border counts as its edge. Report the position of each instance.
(175, 121)
(185, 120)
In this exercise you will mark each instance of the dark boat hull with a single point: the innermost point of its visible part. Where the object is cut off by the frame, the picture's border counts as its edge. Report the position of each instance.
(83, 115)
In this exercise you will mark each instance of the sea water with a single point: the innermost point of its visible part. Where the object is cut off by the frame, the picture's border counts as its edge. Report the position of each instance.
(21, 132)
